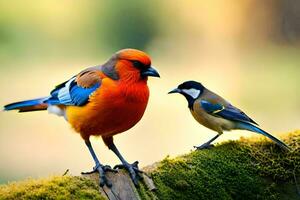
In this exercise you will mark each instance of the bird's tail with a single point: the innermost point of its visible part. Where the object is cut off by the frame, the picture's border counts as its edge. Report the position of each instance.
(250, 127)
(28, 105)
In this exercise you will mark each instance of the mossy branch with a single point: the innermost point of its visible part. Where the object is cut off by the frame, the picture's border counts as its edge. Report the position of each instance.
(244, 169)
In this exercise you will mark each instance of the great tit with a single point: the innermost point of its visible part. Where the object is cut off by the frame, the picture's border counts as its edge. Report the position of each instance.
(215, 113)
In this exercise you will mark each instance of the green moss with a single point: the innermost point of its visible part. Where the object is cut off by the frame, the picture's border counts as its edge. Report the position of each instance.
(272, 162)
(65, 187)
(145, 193)
(245, 169)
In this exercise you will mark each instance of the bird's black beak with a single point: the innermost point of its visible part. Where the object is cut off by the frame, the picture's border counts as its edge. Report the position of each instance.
(176, 90)
(149, 72)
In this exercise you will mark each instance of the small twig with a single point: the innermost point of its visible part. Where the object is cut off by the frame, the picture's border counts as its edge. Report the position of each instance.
(66, 172)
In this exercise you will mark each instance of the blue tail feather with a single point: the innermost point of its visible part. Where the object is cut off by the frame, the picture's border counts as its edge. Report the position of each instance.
(28, 105)
(250, 127)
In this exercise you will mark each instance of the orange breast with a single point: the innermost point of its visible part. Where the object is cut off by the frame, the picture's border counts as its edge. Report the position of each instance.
(113, 108)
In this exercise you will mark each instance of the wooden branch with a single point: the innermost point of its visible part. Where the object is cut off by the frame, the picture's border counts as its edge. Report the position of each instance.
(122, 185)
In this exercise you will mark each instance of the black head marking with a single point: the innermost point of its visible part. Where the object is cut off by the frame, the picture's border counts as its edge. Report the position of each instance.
(190, 85)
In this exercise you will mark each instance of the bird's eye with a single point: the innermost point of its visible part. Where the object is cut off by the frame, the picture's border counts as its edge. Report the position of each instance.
(137, 64)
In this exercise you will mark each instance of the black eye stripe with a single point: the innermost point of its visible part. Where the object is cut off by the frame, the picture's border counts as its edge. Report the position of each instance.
(137, 64)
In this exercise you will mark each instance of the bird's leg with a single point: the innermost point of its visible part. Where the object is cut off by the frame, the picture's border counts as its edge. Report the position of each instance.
(131, 168)
(101, 169)
(207, 144)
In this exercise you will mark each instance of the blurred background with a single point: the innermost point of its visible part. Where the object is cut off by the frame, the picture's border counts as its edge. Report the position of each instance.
(247, 51)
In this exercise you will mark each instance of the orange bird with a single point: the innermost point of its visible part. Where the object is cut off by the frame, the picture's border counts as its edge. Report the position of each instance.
(102, 101)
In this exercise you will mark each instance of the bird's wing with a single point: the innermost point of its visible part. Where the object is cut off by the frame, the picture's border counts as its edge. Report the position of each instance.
(77, 90)
(226, 111)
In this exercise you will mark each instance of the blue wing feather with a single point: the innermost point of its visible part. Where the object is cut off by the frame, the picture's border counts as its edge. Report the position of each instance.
(209, 107)
(66, 93)
(80, 95)
(228, 112)
(70, 93)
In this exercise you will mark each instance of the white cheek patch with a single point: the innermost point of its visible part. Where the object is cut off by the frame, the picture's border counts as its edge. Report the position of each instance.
(192, 92)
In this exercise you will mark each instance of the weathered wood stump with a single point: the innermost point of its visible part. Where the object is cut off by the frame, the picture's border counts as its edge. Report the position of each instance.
(122, 186)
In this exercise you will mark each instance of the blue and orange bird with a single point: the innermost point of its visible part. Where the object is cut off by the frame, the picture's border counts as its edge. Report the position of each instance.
(215, 113)
(101, 101)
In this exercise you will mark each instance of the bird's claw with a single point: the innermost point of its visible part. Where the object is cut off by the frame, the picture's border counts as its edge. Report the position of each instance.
(108, 168)
(204, 146)
(102, 169)
(133, 171)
